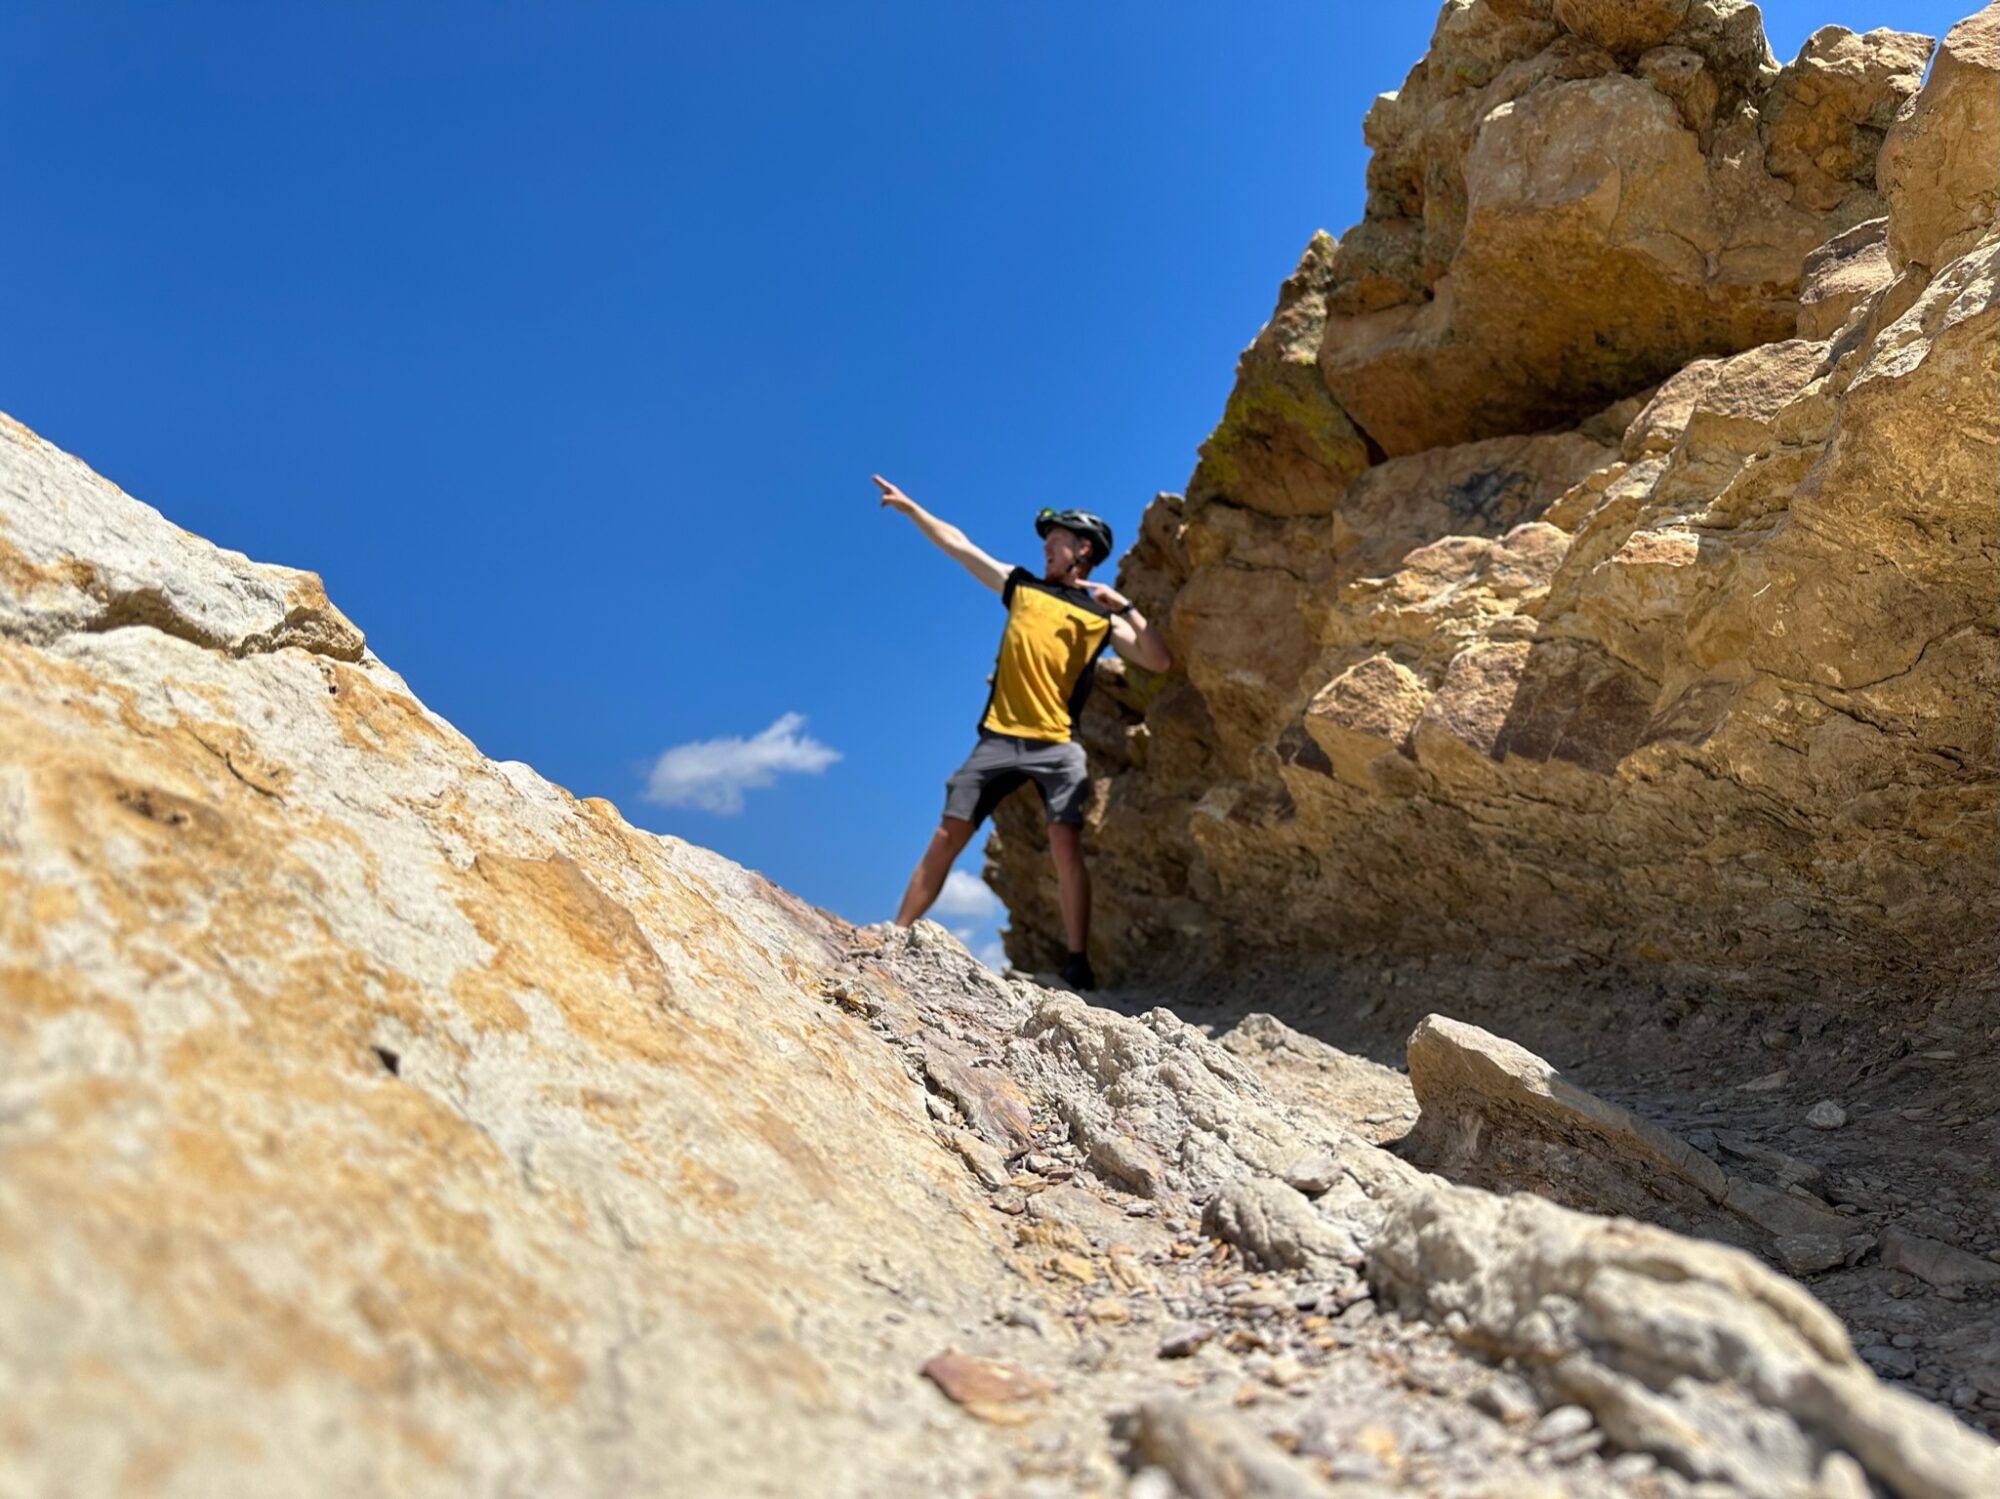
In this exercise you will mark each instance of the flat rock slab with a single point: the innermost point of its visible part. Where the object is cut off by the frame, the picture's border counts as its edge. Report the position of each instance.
(1939, 1263)
(989, 1389)
(1495, 1112)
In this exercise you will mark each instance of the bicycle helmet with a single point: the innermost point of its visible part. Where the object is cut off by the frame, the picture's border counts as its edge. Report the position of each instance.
(1090, 527)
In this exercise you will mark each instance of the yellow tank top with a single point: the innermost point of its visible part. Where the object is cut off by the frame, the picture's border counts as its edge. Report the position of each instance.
(1047, 655)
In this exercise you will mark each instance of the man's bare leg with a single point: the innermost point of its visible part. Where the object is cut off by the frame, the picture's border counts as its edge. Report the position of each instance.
(1072, 883)
(952, 834)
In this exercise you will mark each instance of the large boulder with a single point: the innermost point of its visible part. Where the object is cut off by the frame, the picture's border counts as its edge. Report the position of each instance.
(1556, 219)
(1938, 166)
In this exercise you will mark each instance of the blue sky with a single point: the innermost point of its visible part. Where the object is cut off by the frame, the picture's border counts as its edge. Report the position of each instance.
(562, 339)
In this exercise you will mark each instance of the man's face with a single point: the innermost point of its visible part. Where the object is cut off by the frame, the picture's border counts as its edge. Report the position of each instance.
(1063, 549)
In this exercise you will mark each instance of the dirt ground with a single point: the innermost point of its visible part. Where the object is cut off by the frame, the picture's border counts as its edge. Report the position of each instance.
(1919, 1153)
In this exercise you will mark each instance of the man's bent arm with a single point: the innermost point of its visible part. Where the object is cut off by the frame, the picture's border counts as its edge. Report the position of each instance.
(946, 537)
(1138, 642)
(1134, 639)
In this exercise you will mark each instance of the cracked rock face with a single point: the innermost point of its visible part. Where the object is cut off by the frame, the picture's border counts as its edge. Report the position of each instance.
(80, 556)
(1703, 689)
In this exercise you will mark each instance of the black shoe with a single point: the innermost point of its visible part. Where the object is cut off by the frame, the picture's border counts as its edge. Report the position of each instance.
(1076, 973)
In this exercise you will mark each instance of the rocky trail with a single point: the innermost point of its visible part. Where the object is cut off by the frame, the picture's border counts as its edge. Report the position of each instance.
(1909, 1165)
(1301, 1309)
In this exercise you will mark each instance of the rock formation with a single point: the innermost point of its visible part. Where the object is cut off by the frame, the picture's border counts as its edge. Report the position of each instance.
(1593, 572)
(375, 1117)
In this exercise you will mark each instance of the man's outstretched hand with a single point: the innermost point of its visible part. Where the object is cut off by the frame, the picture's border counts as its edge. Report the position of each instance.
(945, 536)
(893, 497)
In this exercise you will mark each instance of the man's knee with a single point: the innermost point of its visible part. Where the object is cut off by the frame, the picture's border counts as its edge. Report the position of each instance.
(1066, 844)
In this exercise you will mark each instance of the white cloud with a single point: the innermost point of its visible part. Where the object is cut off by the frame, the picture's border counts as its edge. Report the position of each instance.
(993, 955)
(713, 774)
(966, 895)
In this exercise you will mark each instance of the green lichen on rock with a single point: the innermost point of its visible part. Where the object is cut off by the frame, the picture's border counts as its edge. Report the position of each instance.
(1284, 445)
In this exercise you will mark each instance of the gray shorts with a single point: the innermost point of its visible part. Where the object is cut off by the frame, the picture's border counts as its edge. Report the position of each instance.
(1000, 763)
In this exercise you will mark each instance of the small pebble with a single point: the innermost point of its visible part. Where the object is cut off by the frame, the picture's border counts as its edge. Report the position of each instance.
(1807, 1254)
(1564, 1453)
(1896, 1363)
(1563, 1423)
(1506, 1400)
(1283, 1371)
(1183, 1338)
(1025, 1316)
(1826, 1114)
(1313, 1175)
(1630, 1465)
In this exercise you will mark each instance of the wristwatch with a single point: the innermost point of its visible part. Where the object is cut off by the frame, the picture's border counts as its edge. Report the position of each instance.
(1127, 609)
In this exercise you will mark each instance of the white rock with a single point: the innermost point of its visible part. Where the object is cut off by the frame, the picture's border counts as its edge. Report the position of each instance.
(1826, 1114)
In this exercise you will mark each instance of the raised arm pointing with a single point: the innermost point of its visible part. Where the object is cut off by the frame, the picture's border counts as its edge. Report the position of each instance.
(945, 536)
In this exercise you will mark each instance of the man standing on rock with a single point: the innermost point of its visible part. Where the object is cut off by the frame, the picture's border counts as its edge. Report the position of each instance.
(1056, 625)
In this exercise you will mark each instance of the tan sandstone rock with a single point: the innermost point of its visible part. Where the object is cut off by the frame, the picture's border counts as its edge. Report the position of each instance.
(1495, 1114)
(1283, 446)
(1938, 167)
(1564, 232)
(1829, 108)
(1712, 695)
(378, 1117)
(1364, 713)
(1840, 274)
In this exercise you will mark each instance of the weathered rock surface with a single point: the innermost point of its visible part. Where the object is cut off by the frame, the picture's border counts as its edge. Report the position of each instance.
(1629, 1321)
(1496, 1115)
(79, 558)
(1938, 168)
(375, 1116)
(1701, 693)
(1568, 203)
